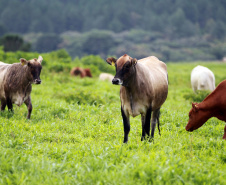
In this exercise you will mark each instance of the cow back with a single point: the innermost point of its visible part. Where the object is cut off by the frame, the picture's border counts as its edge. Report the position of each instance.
(3, 70)
(149, 89)
(153, 73)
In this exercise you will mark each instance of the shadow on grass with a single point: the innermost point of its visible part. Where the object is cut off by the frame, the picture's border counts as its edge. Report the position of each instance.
(6, 114)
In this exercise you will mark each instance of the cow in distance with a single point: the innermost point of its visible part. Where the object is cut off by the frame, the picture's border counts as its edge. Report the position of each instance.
(202, 79)
(106, 77)
(76, 71)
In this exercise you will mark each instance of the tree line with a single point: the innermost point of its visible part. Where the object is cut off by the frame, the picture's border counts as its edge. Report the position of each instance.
(170, 25)
(171, 18)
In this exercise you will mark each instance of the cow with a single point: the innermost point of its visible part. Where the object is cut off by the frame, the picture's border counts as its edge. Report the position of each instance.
(144, 88)
(214, 105)
(80, 71)
(202, 79)
(106, 77)
(16, 80)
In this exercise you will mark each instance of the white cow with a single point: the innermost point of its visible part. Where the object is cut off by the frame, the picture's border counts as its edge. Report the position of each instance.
(106, 77)
(202, 79)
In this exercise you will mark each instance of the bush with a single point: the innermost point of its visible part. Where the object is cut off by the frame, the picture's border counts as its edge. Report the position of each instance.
(98, 62)
(199, 96)
(47, 43)
(13, 42)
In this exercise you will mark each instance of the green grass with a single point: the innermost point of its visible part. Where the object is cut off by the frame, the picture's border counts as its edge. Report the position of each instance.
(75, 136)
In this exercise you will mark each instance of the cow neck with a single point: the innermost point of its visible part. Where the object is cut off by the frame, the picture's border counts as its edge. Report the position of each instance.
(27, 77)
(208, 106)
(132, 88)
(209, 102)
(27, 82)
(206, 114)
(18, 77)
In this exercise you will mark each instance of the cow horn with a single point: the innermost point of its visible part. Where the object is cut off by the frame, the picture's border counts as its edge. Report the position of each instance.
(40, 58)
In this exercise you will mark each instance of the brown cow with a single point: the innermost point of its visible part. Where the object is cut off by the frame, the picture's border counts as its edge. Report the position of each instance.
(144, 88)
(82, 72)
(16, 80)
(214, 105)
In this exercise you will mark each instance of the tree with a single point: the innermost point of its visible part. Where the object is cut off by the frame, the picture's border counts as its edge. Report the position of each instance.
(98, 42)
(218, 51)
(12, 42)
(3, 30)
(48, 42)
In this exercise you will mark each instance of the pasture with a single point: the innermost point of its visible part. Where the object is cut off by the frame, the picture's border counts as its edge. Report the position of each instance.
(75, 136)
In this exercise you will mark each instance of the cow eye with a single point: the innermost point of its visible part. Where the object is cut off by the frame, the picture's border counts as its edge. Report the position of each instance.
(127, 65)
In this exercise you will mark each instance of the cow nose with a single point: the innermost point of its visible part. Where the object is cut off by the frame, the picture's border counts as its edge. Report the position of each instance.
(115, 81)
(37, 81)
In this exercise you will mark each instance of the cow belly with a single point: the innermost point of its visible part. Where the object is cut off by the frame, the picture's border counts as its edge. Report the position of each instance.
(18, 99)
(134, 109)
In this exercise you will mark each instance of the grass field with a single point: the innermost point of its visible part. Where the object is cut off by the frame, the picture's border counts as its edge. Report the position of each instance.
(75, 136)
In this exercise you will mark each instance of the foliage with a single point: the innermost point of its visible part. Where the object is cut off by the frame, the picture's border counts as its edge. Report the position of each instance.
(170, 18)
(98, 42)
(138, 28)
(13, 42)
(98, 62)
(47, 43)
(197, 97)
(75, 133)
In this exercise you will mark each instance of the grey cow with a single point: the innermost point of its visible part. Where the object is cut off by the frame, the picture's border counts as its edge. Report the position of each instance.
(16, 80)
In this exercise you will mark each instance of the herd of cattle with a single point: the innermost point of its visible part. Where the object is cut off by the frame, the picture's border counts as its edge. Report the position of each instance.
(144, 89)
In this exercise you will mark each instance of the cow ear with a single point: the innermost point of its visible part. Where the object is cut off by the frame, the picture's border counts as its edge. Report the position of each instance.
(134, 61)
(111, 61)
(23, 61)
(40, 59)
(195, 106)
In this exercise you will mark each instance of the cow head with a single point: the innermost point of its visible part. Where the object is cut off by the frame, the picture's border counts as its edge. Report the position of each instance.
(34, 67)
(197, 117)
(125, 69)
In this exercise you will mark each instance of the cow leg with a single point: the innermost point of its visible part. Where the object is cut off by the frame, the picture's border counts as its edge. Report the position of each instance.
(146, 123)
(143, 130)
(224, 136)
(155, 118)
(9, 104)
(29, 106)
(3, 105)
(126, 124)
(158, 122)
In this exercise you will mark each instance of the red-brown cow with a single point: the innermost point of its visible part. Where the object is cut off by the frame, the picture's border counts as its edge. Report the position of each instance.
(144, 88)
(214, 105)
(82, 72)
(16, 80)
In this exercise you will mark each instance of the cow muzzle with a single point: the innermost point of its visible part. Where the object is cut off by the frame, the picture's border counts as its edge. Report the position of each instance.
(37, 81)
(116, 81)
(189, 129)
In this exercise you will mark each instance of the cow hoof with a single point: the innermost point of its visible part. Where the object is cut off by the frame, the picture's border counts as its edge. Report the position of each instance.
(142, 138)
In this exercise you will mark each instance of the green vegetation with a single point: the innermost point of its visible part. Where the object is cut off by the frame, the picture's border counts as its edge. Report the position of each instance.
(173, 30)
(13, 42)
(75, 133)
